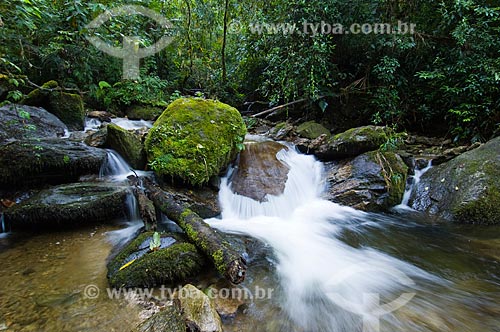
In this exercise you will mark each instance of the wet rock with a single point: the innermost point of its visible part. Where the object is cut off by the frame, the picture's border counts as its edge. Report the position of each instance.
(466, 189)
(68, 206)
(97, 139)
(312, 130)
(127, 144)
(352, 143)
(281, 131)
(137, 266)
(199, 310)
(167, 320)
(194, 139)
(52, 161)
(373, 181)
(67, 107)
(259, 172)
(26, 122)
(203, 201)
(227, 298)
(102, 116)
(143, 112)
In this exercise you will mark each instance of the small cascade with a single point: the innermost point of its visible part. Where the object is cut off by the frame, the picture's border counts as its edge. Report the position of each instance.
(324, 282)
(132, 207)
(115, 167)
(415, 179)
(2, 220)
(132, 124)
(92, 124)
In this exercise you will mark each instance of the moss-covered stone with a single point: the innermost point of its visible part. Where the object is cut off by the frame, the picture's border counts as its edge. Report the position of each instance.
(466, 189)
(127, 144)
(353, 142)
(199, 310)
(312, 130)
(143, 112)
(169, 319)
(67, 107)
(53, 161)
(137, 266)
(373, 181)
(69, 205)
(195, 139)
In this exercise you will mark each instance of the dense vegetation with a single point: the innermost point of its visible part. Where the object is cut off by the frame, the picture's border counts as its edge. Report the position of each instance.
(442, 79)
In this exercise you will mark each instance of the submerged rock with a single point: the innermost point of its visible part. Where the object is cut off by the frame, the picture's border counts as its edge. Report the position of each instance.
(465, 189)
(68, 205)
(137, 266)
(127, 144)
(195, 139)
(352, 143)
(26, 122)
(373, 181)
(259, 172)
(199, 310)
(52, 161)
(169, 319)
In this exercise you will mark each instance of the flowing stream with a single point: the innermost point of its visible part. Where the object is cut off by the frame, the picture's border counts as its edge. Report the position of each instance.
(331, 268)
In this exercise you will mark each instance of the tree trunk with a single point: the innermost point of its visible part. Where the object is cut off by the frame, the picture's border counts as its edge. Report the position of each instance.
(146, 209)
(227, 261)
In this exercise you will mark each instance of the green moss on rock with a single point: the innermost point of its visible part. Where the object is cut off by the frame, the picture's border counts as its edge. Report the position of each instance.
(312, 130)
(127, 144)
(195, 139)
(168, 265)
(143, 112)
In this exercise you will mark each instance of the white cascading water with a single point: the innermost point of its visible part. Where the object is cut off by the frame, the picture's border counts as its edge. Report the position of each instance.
(415, 179)
(326, 285)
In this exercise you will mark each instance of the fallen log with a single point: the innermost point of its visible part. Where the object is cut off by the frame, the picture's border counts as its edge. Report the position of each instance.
(146, 209)
(227, 261)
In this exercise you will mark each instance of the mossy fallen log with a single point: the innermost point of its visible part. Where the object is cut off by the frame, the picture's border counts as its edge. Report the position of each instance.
(227, 261)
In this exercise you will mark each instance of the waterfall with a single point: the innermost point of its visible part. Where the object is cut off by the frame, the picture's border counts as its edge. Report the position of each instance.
(326, 285)
(115, 167)
(415, 179)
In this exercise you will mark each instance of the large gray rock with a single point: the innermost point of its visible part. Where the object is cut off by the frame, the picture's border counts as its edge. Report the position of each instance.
(53, 161)
(312, 130)
(465, 189)
(373, 181)
(199, 310)
(259, 172)
(68, 205)
(26, 122)
(351, 143)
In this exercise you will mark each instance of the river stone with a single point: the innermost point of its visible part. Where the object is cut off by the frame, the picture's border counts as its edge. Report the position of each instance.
(466, 189)
(204, 201)
(373, 181)
(143, 112)
(127, 144)
(137, 266)
(68, 107)
(52, 161)
(312, 130)
(26, 122)
(67, 206)
(199, 310)
(169, 319)
(259, 172)
(194, 139)
(352, 143)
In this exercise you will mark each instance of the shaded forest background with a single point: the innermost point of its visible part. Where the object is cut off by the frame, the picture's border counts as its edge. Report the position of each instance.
(442, 80)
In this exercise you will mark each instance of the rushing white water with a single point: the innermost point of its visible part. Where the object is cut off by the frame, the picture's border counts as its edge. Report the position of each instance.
(92, 124)
(415, 179)
(326, 284)
(95, 124)
(116, 168)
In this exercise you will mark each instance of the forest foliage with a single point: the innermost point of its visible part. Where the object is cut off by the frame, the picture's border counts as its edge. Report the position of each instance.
(444, 78)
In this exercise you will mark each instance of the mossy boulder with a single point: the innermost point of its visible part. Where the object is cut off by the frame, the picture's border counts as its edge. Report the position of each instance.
(25, 122)
(373, 181)
(137, 266)
(194, 139)
(352, 142)
(67, 107)
(127, 144)
(143, 112)
(169, 319)
(67, 206)
(312, 130)
(199, 310)
(53, 161)
(466, 189)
